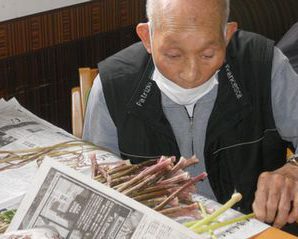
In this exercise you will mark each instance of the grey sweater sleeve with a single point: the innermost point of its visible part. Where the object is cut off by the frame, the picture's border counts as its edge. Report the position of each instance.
(99, 127)
(285, 98)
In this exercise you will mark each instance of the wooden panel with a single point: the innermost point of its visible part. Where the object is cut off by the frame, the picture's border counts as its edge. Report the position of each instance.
(87, 76)
(40, 54)
(76, 112)
(67, 24)
(42, 80)
(271, 18)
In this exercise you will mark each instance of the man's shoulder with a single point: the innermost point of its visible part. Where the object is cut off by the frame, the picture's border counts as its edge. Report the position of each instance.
(250, 35)
(290, 40)
(249, 45)
(130, 52)
(128, 61)
(120, 73)
(248, 38)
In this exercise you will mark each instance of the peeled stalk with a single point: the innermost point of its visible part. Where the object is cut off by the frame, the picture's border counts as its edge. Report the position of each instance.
(236, 197)
(204, 214)
(215, 226)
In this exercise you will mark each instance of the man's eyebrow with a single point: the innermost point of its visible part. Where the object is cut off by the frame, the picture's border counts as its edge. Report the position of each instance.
(211, 43)
(214, 44)
(176, 43)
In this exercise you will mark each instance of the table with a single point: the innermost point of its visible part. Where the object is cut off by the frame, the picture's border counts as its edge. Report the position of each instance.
(274, 233)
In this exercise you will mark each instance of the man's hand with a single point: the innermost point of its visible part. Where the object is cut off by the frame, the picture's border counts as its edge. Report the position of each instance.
(276, 198)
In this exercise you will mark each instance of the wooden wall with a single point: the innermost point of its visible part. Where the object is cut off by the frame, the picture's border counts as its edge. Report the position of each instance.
(271, 18)
(40, 54)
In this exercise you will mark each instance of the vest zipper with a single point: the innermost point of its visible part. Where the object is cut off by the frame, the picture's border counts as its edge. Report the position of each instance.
(191, 127)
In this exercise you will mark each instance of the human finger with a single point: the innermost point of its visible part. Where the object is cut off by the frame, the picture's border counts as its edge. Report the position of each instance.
(261, 196)
(284, 206)
(294, 213)
(273, 202)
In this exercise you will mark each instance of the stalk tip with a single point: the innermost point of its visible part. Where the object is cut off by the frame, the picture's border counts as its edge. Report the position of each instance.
(236, 197)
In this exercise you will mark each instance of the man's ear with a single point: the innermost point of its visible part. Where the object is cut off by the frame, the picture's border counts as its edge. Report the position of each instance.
(232, 27)
(143, 32)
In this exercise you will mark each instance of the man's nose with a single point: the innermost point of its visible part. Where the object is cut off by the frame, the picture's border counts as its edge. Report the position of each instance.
(190, 71)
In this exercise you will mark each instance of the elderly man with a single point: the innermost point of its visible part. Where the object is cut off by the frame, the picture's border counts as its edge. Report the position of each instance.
(196, 85)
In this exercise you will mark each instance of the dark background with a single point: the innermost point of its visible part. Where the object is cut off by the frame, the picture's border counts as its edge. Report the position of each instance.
(40, 54)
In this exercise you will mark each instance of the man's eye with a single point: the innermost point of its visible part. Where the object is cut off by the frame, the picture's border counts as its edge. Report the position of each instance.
(172, 56)
(207, 56)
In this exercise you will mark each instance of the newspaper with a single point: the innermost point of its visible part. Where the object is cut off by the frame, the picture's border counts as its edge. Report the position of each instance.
(19, 130)
(78, 207)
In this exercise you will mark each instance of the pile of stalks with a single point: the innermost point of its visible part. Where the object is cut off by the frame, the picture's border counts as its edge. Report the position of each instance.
(160, 184)
(164, 186)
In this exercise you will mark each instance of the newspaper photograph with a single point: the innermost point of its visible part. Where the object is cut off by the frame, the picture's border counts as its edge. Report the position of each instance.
(36, 233)
(78, 207)
(20, 129)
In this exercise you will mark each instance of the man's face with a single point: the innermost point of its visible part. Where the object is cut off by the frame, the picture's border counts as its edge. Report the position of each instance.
(188, 57)
(188, 43)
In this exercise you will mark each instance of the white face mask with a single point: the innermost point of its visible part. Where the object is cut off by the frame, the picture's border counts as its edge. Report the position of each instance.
(181, 96)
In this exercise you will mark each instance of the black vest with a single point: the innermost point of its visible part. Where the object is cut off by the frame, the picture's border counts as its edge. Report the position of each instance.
(241, 138)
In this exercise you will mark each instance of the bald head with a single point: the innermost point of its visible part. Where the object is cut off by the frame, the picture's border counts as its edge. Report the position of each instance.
(193, 12)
